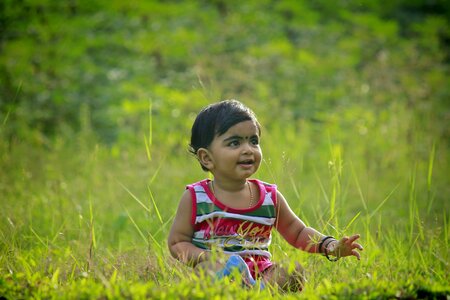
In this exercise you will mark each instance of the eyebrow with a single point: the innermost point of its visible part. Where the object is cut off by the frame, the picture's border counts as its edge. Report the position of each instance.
(237, 137)
(233, 137)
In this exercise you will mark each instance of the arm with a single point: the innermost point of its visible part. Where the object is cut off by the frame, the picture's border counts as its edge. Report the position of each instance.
(296, 233)
(180, 236)
(293, 230)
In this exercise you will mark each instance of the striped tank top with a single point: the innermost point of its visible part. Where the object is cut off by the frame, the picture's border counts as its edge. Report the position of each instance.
(238, 231)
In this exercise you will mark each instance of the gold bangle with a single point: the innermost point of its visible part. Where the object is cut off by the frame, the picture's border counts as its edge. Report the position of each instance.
(199, 257)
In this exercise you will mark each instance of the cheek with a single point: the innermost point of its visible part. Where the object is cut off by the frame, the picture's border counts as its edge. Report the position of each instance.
(259, 155)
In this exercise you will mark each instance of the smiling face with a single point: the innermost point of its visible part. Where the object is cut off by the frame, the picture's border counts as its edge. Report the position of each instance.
(234, 155)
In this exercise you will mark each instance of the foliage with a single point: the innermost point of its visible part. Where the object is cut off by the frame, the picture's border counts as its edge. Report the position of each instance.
(307, 58)
(96, 103)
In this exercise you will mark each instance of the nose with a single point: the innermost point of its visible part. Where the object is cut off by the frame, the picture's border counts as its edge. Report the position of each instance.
(247, 148)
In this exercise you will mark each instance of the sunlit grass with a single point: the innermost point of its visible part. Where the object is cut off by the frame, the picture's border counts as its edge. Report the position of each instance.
(83, 221)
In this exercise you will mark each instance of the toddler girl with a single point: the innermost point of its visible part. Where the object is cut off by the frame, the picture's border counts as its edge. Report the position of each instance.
(236, 214)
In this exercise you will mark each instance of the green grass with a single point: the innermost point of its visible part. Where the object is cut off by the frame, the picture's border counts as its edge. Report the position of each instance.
(84, 220)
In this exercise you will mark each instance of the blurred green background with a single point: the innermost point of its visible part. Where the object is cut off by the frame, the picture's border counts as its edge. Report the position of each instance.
(97, 99)
(353, 62)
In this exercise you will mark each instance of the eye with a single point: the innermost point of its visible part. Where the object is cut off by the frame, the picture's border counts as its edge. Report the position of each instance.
(254, 140)
(233, 143)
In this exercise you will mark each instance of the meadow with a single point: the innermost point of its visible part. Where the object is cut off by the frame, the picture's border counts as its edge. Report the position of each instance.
(95, 124)
(81, 220)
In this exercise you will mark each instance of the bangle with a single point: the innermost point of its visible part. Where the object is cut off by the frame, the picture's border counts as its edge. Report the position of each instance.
(323, 240)
(325, 246)
(200, 256)
(326, 254)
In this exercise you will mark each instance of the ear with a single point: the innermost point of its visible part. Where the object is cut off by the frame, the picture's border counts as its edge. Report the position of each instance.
(205, 158)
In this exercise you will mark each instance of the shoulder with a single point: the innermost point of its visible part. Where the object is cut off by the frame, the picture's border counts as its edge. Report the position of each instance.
(267, 186)
(191, 192)
(197, 184)
(282, 203)
(186, 199)
(198, 190)
(262, 182)
(267, 190)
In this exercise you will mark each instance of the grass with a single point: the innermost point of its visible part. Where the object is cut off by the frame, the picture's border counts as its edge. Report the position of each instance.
(87, 221)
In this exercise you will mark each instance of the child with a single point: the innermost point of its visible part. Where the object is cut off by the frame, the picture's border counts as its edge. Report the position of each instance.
(235, 214)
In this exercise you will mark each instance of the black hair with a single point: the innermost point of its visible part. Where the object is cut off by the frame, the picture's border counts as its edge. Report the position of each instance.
(216, 119)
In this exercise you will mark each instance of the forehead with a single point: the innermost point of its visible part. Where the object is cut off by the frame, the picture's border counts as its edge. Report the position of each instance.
(245, 128)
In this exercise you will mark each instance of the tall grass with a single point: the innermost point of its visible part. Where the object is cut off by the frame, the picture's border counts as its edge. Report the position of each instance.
(83, 220)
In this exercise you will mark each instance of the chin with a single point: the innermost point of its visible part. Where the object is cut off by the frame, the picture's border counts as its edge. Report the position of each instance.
(249, 174)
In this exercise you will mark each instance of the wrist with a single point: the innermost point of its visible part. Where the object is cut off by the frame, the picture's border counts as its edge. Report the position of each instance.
(324, 243)
(327, 246)
(203, 256)
(330, 249)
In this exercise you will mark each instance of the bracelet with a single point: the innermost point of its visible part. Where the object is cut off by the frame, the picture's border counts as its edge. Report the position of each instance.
(326, 254)
(325, 246)
(200, 256)
(323, 240)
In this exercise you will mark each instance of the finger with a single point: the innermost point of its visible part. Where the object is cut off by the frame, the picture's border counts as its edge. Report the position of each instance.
(356, 253)
(344, 240)
(358, 246)
(353, 238)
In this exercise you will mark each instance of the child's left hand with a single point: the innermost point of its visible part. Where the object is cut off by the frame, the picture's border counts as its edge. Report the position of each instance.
(346, 246)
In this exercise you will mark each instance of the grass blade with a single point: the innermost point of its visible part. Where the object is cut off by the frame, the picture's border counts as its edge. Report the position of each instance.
(154, 205)
(134, 197)
(430, 166)
(351, 221)
(382, 202)
(137, 228)
(149, 141)
(168, 221)
(38, 237)
(157, 170)
(91, 223)
(429, 176)
(147, 148)
(358, 186)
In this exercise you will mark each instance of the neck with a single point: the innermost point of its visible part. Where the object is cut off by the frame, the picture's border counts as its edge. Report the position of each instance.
(230, 186)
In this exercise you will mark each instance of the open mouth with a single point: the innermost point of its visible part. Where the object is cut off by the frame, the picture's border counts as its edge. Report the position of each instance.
(246, 162)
